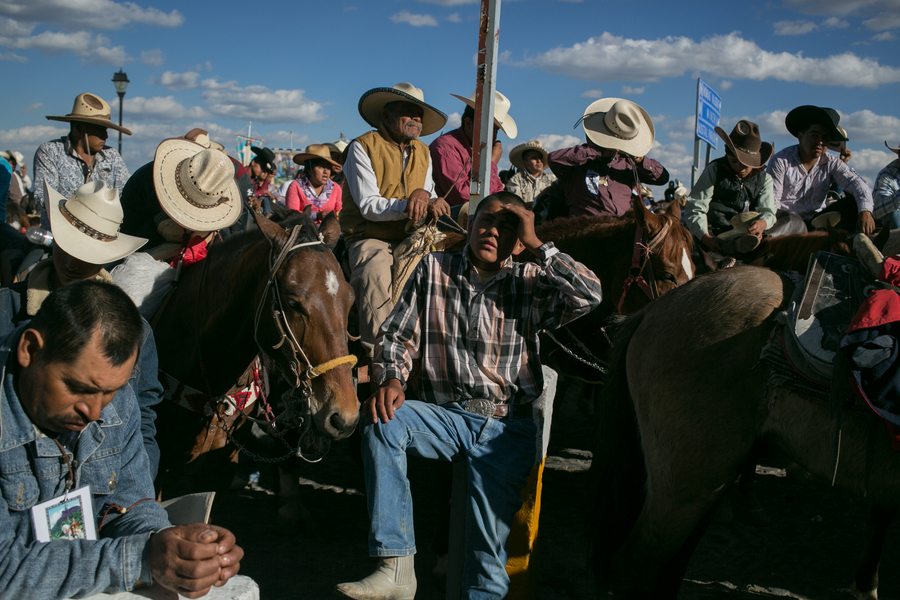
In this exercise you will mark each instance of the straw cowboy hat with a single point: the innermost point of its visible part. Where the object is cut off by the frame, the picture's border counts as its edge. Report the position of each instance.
(740, 223)
(372, 104)
(17, 157)
(195, 184)
(515, 155)
(897, 149)
(803, 116)
(86, 225)
(337, 146)
(745, 144)
(501, 113)
(315, 151)
(619, 125)
(93, 109)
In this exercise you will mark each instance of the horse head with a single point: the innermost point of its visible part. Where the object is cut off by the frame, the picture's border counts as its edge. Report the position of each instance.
(668, 244)
(301, 323)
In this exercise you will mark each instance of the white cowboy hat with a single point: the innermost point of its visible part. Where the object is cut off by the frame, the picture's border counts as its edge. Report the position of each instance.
(501, 113)
(86, 225)
(740, 223)
(372, 104)
(337, 146)
(619, 125)
(515, 155)
(90, 108)
(16, 156)
(195, 184)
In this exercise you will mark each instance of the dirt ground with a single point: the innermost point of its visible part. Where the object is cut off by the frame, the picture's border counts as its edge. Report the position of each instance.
(809, 551)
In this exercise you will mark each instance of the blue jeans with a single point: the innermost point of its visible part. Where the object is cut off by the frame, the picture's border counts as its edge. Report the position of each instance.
(893, 218)
(499, 455)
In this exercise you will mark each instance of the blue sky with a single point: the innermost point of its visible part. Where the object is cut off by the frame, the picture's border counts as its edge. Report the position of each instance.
(303, 65)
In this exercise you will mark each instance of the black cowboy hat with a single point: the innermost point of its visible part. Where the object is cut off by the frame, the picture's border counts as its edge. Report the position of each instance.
(803, 116)
(744, 142)
(266, 158)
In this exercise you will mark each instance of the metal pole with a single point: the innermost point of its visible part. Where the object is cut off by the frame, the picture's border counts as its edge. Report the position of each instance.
(121, 102)
(696, 139)
(485, 86)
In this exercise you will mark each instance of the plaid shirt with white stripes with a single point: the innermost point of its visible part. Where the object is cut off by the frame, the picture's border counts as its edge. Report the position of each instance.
(479, 341)
(803, 192)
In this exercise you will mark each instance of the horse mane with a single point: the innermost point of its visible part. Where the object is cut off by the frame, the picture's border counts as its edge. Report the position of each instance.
(239, 243)
(584, 226)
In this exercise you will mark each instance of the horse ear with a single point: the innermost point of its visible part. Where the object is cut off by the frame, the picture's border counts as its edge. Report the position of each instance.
(675, 208)
(308, 210)
(330, 230)
(273, 232)
(645, 217)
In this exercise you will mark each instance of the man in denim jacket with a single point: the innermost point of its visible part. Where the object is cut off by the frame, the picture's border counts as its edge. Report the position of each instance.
(68, 419)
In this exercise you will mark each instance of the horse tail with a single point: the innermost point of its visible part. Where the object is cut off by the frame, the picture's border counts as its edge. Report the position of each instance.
(618, 473)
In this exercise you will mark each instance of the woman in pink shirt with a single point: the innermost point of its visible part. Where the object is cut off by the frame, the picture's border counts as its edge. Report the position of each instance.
(315, 187)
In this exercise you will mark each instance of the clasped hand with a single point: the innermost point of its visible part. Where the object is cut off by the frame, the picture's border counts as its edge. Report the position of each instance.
(189, 559)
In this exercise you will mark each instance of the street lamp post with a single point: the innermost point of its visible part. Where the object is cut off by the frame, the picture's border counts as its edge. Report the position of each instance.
(120, 80)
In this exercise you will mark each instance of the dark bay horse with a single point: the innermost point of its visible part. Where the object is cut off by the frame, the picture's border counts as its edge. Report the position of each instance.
(607, 246)
(225, 312)
(684, 404)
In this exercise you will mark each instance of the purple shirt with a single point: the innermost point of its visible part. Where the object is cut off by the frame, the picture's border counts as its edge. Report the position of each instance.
(450, 153)
(594, 185)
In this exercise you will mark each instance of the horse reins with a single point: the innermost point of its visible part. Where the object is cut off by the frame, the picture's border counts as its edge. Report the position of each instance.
(640, 261)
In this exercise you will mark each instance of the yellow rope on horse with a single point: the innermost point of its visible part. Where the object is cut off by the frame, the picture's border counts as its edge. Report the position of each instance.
(327, 366)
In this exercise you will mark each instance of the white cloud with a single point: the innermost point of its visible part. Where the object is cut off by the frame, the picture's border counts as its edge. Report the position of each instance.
(454, 120)
(454, 18)
(31, 134)
(32, 107)
(404, 16)
(884, 36)
(835, 22)
(153, 58)
(177, 81)
(869, 162)
(91, 48)
(88, 14)
(866, 127)
(885, 14)
(259, 103)
(611, 57)
(592, 94)
(12, 56)
(159, 108)
(680, 129)
(794, 27)
(552, 141)
(629, 91)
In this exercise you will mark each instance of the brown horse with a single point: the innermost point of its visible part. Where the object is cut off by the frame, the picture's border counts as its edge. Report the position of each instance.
(226, 311)
(606, 245)
(685, 401)
(792, 252)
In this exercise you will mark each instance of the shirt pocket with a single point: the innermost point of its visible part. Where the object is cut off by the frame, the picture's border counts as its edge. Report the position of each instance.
(19, 488)
(102, 472)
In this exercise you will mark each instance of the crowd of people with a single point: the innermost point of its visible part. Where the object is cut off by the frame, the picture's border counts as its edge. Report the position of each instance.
(80, 362)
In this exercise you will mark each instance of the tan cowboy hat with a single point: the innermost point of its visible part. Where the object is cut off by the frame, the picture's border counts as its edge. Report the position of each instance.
(195, 184)
(515, 155)
(337, 146)
(315, 151)
(838, 146)
(90, 108)
(201, 136)
(18, 157)
(619, 125)
(86, 225)
(740, 224)
(372, 104)
(745, 144)
(501, 113)
(897, 149)
(825, 219)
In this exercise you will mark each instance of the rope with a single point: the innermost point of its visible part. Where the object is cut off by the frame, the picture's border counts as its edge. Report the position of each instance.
(331, 364)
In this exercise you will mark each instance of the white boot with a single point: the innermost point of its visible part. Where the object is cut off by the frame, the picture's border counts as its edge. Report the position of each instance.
(394, 579)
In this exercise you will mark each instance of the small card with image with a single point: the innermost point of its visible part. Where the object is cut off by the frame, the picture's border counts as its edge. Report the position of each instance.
(67, 517)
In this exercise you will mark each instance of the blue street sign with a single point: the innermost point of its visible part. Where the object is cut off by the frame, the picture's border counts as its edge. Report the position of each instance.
(709, 108)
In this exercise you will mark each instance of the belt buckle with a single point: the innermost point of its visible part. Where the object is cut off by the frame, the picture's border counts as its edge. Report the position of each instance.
(480, 406)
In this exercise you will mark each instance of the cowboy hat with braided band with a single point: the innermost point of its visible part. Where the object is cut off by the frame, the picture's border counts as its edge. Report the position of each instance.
(744, 142)
(515, 155)
(195, 184)
(93, 109)
(86, 225)
(372, 104)
(619, 124)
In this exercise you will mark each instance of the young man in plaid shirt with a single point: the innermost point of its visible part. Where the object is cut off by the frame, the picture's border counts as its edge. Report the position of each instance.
(472, 318)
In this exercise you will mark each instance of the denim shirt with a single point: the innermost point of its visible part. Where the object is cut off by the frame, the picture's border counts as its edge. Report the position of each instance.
(144, 379)
(108, 456)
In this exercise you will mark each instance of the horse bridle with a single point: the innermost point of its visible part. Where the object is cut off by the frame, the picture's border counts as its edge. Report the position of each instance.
(302, 377)
(640, 261)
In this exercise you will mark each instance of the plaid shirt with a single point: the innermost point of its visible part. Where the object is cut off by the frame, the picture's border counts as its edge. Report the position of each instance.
(887, 190)
(803, 192)
(481, 342)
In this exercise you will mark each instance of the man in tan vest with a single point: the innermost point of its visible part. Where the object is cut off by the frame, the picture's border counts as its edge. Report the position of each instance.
(389, 184)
